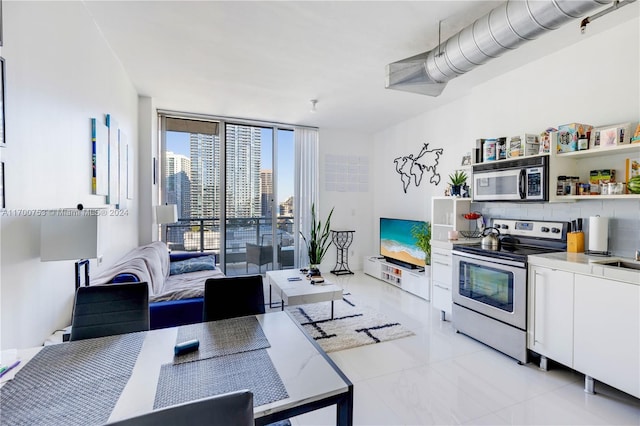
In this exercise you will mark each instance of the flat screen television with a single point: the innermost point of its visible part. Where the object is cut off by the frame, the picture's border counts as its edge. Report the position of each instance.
(397, 245)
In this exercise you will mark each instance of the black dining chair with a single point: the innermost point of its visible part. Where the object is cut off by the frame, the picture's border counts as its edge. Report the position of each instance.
(105, 310)
(233, 408)
(232, 297)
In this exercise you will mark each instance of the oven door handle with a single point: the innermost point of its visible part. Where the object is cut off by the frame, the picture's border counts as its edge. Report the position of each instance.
(489, 259)
(522, 181)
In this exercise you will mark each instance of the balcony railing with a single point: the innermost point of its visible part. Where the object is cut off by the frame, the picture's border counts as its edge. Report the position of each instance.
(203, 234)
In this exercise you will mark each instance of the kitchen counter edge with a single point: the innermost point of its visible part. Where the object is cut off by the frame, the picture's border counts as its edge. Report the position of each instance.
(585, 264)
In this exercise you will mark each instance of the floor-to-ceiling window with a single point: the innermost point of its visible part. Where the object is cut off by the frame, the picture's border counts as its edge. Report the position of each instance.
(232, 183)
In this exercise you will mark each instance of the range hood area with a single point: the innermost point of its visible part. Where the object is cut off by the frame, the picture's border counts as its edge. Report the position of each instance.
(504, 28)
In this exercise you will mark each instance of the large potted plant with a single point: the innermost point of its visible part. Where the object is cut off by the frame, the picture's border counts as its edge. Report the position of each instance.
(422, 235)
(318, 242)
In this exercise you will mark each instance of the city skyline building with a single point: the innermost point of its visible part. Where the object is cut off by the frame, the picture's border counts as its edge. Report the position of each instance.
(178, 182)
(244, 157)
(266, 192)
(205, 178)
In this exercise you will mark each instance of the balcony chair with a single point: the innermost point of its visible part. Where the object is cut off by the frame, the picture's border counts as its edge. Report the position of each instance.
(105, 310)
(232, 297)
(233, 408)
(258, 255)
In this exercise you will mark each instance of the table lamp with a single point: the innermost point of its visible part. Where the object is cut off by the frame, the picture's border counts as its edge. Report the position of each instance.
(72, 236)
(166, 214)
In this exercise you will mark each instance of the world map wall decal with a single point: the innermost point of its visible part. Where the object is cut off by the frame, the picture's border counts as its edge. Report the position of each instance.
(412, 168)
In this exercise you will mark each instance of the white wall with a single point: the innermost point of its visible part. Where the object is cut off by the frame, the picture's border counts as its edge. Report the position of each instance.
(594, 81)
(352, 210)
(148, 153)
(59, 74)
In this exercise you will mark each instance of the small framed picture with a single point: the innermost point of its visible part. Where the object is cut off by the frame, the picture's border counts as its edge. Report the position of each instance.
(606, 138)
(466, 159)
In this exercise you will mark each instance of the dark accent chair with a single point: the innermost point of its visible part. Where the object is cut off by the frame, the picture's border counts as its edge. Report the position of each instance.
(258, 255)
(233, 408)
(232, 297)
(105, 310)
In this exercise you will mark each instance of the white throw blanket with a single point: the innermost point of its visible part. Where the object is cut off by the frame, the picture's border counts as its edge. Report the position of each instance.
(150, 263)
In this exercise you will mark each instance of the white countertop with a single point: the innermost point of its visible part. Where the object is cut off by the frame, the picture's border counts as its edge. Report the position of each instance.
(448, 244)
(588, 265)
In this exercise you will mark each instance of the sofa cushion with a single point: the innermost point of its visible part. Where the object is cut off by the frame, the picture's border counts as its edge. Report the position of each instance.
(195, 264)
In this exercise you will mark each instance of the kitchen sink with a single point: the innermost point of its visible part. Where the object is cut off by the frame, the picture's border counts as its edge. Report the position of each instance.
(622, 264)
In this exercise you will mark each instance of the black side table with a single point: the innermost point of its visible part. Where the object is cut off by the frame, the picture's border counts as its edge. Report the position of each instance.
(342, 240)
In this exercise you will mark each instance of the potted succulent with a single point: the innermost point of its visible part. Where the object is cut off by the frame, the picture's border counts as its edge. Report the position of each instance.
(318, 241)
(422, 235)
(457, 180)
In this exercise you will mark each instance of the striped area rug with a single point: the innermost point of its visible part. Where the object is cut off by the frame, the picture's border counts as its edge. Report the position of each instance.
(353, 324)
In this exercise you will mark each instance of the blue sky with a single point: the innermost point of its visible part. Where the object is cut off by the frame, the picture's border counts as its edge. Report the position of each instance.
(178, 142)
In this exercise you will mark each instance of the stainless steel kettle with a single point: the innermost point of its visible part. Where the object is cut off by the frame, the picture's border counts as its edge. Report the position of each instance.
(490, 239)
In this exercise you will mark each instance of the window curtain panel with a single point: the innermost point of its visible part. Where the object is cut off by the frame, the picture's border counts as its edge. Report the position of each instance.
(306, 143)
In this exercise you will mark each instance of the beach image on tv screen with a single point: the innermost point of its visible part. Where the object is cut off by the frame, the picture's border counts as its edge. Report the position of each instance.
(396, 241)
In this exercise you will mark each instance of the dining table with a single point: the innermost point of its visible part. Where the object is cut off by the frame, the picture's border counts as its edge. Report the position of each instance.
(101, 380)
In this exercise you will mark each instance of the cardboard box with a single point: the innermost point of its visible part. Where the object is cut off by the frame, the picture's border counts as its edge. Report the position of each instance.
(548, 138)
(569, 134)
(521, 145)
(602, 176)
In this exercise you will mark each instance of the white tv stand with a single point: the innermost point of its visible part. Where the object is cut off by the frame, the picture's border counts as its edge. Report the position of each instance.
(415, 281)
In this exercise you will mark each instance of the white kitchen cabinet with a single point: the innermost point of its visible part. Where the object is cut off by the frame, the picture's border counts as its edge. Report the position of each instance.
(550, 330)
(412, 280)
(446, 215)
(607, 332)
(441, 276)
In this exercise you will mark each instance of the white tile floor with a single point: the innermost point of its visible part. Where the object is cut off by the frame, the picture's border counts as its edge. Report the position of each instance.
(440, 377)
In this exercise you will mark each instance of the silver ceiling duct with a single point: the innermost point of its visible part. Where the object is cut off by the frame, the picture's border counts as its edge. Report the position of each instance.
(504, 28)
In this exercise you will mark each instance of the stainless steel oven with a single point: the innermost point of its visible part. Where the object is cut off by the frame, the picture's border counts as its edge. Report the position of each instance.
(490, 285)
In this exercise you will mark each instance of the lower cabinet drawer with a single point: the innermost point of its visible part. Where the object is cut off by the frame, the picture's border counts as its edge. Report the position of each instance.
(441, 297)
(441, 272)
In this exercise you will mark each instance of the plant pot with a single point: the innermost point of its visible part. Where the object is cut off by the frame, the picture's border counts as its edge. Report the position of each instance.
(314, 271)
(455, 190)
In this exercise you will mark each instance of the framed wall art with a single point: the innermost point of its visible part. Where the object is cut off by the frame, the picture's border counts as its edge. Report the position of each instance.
(1, 23)
(2, 198)
(3, 140)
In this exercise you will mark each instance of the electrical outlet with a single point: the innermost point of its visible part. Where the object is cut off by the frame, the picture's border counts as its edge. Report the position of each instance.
(99, 260)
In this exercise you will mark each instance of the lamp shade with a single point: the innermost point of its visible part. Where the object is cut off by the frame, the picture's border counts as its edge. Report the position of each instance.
(70, 237)
(166, 213)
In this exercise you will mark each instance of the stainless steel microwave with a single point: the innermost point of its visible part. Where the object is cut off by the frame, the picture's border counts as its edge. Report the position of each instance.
(523, 179)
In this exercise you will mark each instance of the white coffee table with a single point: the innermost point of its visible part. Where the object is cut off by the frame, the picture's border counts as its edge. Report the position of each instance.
(302, 291)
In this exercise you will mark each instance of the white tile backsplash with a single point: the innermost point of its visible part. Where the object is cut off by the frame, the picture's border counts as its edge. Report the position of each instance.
(624, 222)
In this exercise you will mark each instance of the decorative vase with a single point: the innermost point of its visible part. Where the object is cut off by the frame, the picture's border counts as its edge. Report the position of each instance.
(455, 190)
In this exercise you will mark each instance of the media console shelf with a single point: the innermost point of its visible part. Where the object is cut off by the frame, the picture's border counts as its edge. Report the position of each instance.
(412, 280)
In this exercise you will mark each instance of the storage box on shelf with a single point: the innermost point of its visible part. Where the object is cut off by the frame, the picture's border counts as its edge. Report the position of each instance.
(580, 163)
(412, 280)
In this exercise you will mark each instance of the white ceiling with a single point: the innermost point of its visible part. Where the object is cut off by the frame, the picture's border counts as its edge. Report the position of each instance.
(266, 60)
